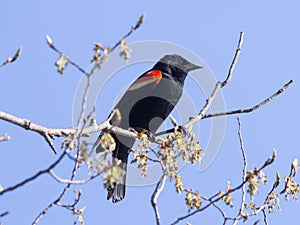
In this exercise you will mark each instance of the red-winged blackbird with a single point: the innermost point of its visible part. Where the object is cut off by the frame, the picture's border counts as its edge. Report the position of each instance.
(145, 105)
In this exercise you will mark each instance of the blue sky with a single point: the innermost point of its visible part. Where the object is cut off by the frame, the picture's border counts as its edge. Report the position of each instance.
(31, 88)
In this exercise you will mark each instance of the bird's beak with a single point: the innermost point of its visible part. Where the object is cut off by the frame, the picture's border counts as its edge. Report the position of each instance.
(192, 66)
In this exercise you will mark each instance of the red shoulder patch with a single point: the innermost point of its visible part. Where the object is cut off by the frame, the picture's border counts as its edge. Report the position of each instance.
(153, 76)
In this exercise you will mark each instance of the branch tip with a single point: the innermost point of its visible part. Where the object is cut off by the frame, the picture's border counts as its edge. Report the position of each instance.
(49, 41)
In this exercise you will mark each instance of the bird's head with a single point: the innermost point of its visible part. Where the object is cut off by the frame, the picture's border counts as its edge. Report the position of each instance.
(178, 62)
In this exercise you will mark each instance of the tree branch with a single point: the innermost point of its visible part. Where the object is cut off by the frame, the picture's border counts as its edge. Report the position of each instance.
(265, 217)
(244, 178)
(159, 187)
(11, 188)
(4, 214)
(77, 182)
(218, 86)
(56, 201)
(72, 206)
(248, 110)
(50, 133)
(12, 59)
(215, 198)
(217, 207)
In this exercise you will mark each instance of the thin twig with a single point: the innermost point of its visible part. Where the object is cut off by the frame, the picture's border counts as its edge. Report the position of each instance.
(77, 182)
(265, 217)
(73, 63)
(134, 28)
(89, 75)
(217, 197)
(159, 187)
(72, 206)
(217, 88)
(291, 174)
(12, 59)
(4, 214)
(266, 203)
(86, 120)
(244, 178)
(56, 201)
(217, 207)
(50, 143)
(235, 59)
(11, 188)
(238, 111)
(110, 50)
(248, 110)
(83, 105)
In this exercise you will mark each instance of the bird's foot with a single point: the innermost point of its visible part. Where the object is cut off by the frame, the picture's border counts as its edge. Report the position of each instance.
(185, 132)
(140, 131)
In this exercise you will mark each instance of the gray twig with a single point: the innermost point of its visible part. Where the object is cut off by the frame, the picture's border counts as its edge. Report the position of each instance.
(215, 198)
(159, 187)
(11, 188)
(244, 178)
(248, 110)
(12, 59)
(218, 86)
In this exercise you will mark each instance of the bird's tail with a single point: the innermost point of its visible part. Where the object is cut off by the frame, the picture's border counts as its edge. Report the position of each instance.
(117, 192)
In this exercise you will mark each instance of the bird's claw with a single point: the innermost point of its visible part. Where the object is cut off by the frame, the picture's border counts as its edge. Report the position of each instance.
(183, 130)
(142, 131)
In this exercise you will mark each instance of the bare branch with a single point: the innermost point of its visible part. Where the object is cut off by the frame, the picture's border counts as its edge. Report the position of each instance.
(50, 143)
(49, 133)
(215, 198)
(83, 105)
(87, 88)
(86, 120)
(76, 65)
(235, 59)
(4, 214)
(202, 114)
(292, 173)
(56, 201)
(217, 207)
(218, 86)
(11, 188)
(72, 206)
(12, 59)
(248, 110)
(137, 25)
(68, 60)
(77, 182)
(244, 178)
(159, 187)
(265, 217)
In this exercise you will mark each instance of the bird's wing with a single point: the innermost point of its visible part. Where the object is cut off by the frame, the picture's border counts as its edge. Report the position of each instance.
(150, 77)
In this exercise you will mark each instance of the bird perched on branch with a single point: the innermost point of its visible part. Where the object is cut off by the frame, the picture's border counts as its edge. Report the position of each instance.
(144, 106)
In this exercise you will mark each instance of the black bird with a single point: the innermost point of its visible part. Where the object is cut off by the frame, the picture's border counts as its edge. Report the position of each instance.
(145, 105)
